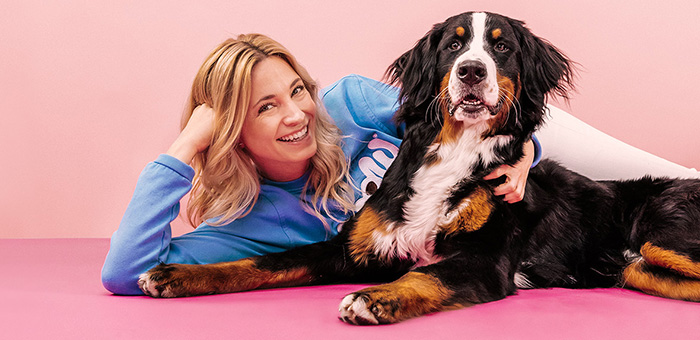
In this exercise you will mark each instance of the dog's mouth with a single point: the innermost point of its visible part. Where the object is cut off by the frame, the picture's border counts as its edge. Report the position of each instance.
(471, 107)
(471, 103)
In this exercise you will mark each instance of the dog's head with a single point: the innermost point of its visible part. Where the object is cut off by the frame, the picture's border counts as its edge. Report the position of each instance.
(480, 67)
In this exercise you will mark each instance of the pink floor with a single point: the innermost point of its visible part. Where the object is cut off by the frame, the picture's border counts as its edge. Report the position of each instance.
(50, 289)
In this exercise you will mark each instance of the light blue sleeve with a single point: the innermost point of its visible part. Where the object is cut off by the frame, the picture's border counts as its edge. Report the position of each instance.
(359, 103)
(143, 237)
(538, 151)
(277, 222)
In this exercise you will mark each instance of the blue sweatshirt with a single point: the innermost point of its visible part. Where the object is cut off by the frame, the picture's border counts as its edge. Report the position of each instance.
(362, 108)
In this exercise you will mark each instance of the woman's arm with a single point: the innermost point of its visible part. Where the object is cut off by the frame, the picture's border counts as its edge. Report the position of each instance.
(143, 237)
(144, 234)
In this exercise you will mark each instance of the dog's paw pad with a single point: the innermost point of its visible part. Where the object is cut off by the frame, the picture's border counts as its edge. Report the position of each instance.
(355, 309)
(156, 282)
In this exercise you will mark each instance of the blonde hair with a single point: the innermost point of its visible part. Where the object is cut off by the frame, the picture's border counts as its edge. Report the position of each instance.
(226, 183)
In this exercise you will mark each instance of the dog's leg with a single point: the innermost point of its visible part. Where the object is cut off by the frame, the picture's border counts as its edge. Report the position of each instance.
(665, 225)
(677, 261)
(178, 280)
(450, 284)
(665, 273)
(668, 225)
(318, 263)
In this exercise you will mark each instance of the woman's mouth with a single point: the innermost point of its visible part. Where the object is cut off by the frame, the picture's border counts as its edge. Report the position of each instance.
(295, 137)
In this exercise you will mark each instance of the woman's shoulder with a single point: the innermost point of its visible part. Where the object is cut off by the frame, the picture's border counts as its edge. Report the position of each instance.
(357, 101)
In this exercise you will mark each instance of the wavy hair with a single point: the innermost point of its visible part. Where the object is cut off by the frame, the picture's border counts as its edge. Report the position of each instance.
(227, 183)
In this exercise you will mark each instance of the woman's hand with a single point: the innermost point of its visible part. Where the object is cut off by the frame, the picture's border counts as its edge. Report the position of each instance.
(196, 136)
(513, 190)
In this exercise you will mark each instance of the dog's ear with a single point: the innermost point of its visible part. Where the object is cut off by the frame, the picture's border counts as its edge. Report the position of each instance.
(545, 69)
(416, 72)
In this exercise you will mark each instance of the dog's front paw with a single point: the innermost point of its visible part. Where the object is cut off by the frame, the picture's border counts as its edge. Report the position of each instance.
(355, 309)
(412, 295)
(369, 308)
(167, 280)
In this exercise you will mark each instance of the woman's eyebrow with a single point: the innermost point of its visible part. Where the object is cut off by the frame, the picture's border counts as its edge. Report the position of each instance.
(294, 83)
(264, 99)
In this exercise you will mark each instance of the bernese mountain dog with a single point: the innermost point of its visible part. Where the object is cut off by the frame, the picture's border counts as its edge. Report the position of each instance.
(473, 91)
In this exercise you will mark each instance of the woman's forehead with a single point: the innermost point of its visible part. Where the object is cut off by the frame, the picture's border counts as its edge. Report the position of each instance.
(270, 70)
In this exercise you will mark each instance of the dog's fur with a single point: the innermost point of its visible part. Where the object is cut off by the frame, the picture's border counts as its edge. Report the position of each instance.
(473, 92)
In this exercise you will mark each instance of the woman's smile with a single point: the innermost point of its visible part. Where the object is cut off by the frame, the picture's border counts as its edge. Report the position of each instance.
(295, 137)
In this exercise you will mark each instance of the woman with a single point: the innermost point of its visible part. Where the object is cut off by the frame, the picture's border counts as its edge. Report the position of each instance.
(267, 171)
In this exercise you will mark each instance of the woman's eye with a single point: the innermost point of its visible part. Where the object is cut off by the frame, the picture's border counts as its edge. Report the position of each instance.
(298, 89)
(264, 108)
(501, 47)
(455, 45)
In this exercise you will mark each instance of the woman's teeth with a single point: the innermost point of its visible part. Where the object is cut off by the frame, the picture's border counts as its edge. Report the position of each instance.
(295, 137)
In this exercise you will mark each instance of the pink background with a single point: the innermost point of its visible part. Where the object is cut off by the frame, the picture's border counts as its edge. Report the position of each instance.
(91, 91)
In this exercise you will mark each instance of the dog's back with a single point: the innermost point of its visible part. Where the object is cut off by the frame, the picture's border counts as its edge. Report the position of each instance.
(587, 232)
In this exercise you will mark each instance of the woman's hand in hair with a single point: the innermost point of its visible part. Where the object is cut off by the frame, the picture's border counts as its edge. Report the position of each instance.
(196, 136)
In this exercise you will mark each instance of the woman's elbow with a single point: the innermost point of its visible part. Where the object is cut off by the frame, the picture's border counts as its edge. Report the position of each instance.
(120, 284)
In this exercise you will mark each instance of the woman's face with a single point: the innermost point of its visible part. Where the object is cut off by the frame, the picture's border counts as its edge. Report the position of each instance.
(278, 130)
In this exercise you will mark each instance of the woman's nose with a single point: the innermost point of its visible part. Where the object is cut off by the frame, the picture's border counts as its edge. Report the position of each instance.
(294, 114)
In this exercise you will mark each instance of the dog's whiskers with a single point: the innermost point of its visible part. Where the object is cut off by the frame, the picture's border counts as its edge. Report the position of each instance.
(434, 108)
(509, 98)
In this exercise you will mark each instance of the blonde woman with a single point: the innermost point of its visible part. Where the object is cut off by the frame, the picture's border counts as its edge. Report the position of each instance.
(267, 169)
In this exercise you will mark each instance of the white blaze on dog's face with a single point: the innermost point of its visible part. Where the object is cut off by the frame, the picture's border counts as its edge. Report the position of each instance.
(473, 82)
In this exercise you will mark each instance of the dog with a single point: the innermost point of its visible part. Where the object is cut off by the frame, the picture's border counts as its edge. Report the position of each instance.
(473, 91)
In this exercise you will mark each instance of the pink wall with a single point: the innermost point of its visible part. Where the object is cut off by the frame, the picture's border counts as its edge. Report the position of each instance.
(92, 90)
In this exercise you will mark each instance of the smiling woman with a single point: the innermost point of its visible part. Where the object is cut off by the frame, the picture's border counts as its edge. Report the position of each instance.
(265, 158)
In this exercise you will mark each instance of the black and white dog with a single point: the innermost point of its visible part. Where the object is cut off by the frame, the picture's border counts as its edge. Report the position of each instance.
(473, 92)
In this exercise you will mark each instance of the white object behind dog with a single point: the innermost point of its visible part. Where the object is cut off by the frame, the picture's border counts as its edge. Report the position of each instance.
(589, 151)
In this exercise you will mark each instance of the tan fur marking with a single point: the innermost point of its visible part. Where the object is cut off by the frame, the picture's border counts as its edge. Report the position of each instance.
(474, 215)
(361, 237)
(225, 277)
(496, 33)
(669, 259)
(682, 289)
(248, 277)
(460, 31)
(411, 295)
(508, 94)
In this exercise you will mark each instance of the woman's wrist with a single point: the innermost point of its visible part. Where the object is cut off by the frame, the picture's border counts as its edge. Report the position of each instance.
(183, 151)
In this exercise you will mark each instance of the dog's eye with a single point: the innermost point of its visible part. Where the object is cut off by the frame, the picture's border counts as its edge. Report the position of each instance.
(501, 47)
(455, 45)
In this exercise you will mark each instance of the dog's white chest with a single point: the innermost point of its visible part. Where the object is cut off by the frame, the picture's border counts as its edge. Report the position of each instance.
(427, 210)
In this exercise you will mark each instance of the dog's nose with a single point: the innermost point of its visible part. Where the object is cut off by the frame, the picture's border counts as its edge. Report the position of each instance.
(471, 72)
